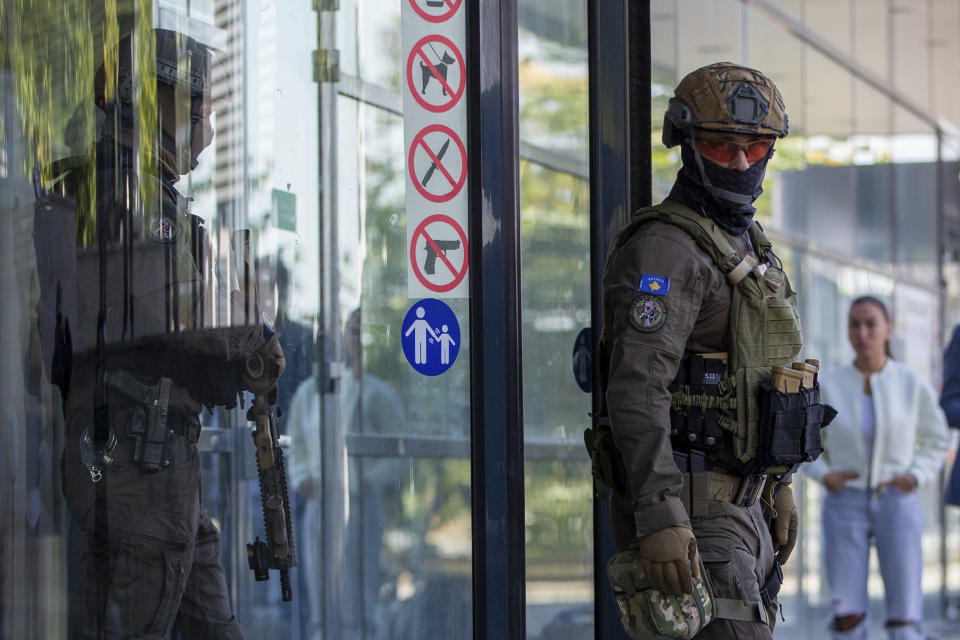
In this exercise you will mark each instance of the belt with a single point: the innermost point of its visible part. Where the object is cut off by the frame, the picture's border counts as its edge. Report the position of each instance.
(119, 415)
(128, 396)
(702, 487)
(747, 611)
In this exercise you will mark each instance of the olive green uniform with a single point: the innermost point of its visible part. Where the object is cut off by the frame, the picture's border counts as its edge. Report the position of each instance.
(733, 540)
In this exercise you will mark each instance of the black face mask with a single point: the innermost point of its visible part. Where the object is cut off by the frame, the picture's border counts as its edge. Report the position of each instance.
(725, 195)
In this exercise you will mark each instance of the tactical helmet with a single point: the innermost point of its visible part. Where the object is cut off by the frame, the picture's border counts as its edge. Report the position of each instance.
(172, 50)
(725, 97)
(646, 610)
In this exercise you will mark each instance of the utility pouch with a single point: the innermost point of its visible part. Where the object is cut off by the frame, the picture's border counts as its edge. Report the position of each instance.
(607, 465)
(148, 426)
(790, 424)
(645, 611)
(695, 412)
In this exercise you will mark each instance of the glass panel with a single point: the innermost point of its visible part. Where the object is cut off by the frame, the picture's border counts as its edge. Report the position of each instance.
(831, 21)
(714, 30)
(914, 153)
(909, 64)
(870, 43)
(405, 551)
(162, 230)
(368, 33)
(664, 76)
(556, 306)
(169, 193)
(781, 59)
(944, 49)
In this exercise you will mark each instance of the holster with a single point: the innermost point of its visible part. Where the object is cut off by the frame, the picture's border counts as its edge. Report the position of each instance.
(150, 421)
(607, 464)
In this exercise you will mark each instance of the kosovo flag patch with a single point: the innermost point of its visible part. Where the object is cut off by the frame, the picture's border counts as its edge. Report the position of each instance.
(657, 285)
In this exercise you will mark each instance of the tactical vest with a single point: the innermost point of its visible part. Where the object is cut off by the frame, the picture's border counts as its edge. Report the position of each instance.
(768, 430)
(764, 327)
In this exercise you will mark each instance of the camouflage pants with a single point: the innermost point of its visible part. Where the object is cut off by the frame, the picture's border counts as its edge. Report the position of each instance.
(151, 558)
(735, 546)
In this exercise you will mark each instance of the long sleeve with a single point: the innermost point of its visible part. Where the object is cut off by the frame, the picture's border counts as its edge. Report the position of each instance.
(643, 361)
(933, 438)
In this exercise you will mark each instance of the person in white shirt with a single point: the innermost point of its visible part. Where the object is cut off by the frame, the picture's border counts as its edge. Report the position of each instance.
(888, 438)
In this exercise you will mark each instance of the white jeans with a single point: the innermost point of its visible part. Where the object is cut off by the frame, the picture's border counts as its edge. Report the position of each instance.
(894, 522)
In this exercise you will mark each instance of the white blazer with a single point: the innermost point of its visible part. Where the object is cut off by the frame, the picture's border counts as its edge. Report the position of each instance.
(911, 433)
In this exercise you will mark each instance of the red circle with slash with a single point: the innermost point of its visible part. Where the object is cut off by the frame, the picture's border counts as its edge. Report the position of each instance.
(458, 274)
(423, 12)
(456, 184)
(452, 94)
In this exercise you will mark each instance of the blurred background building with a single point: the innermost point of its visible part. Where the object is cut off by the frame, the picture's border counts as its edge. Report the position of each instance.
(424, 515)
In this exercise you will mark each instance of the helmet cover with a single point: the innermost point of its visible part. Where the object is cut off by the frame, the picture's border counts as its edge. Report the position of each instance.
(725, 97)
(179, 61)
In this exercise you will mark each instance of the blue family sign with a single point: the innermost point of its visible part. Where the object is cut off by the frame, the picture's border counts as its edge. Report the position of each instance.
(430, 337)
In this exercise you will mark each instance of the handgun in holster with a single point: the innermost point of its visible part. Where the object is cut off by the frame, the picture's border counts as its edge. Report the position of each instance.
(148, 426)
(148, 420)
(606, 463)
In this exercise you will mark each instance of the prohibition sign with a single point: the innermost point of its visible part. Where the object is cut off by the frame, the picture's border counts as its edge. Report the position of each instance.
(429, 177)
(436, 69)
(435, 249)
(446, 14)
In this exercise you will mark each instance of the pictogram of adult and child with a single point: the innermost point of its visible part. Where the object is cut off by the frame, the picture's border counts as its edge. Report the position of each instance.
(430, 322)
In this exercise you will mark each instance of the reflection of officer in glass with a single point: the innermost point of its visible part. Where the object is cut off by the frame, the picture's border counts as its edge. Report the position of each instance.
(670, 292)
(147, 349)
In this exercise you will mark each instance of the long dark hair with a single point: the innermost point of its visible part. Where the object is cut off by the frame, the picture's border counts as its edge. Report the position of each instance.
(877, 302)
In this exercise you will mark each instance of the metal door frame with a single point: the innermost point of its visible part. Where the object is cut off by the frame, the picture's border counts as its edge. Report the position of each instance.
(496, 391)
(620, 181)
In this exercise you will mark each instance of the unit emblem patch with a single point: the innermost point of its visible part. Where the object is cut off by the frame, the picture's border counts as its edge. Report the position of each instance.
(648, 312)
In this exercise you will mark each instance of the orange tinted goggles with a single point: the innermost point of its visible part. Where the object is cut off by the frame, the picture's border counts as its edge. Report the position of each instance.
(724, 151)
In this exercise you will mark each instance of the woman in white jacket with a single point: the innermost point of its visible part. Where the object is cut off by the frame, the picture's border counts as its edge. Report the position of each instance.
(888, 438)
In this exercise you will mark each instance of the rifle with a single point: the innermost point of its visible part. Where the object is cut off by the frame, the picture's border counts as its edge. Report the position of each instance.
(278, 552)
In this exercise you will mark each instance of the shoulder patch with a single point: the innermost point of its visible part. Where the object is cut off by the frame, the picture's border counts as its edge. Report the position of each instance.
(657, 285)
(647, 312)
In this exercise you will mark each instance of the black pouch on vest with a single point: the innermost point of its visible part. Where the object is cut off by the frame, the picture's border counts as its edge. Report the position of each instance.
(695, 426)
(782, 420)
(790, 425)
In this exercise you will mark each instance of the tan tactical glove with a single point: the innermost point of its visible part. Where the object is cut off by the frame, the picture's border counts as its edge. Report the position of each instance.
(263, 368)
(784, 525)
(670, 560)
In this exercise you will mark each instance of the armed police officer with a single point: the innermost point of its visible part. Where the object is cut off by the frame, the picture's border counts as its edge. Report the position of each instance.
(143, 344)
(697, 312)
